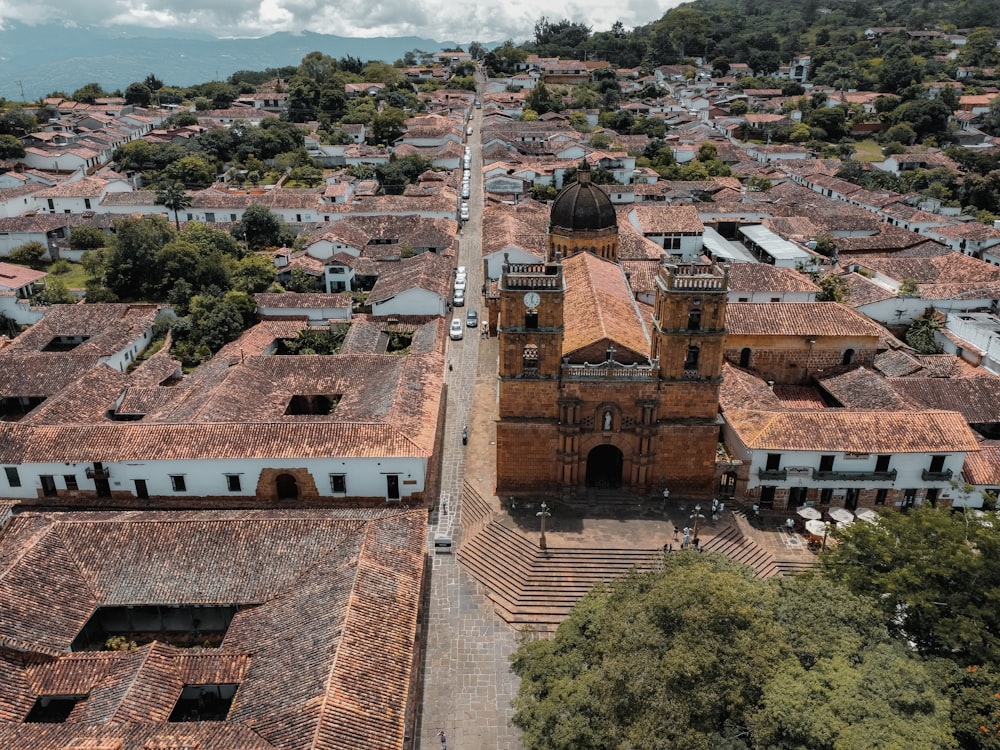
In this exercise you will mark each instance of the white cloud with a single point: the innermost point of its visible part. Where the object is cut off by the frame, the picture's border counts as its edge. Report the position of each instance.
(435, 19)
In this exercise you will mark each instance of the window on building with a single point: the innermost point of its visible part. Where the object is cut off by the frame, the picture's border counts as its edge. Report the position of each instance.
(178, 483)
(141, 490)
(767, 497)
(826, 463)
(86, 203)
(937, 464)
(531, 319)
(13, 478)
(773, 462)
(392, 486)
(694, 320)
(691, 360)
(881, 496)
(71, 483)
(672, 242)
(207, 702)
(233, 482)
(338, 484)
(826, 496)
(48, 485)
(882, 463)
(529, 358)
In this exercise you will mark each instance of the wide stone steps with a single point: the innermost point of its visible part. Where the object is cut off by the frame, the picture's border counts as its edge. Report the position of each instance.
(534, 587)
(731, 543)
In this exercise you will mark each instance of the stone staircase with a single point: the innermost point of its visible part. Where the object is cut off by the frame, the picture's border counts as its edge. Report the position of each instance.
(537, 588)
(731, 542)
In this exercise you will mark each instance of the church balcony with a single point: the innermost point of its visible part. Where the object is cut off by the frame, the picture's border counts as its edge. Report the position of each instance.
(613, 371)
(522, 282)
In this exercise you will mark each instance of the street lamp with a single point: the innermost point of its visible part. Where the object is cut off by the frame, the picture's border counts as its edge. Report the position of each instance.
(542, 515)
(697, 516)
(826, 531)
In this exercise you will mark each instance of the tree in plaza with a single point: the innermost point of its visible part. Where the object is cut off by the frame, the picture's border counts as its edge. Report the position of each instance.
(173, 196)
(672, 659)
(935, 574)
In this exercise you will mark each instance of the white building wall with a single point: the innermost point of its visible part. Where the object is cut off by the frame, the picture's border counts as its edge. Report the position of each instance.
(365, 477)
(412, 302)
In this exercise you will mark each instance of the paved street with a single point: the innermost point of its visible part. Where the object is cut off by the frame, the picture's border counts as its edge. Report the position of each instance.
(467, 685)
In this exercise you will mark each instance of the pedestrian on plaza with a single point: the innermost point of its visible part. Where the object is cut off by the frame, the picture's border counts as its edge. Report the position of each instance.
(790, 524)
(722, 508)
(444, 740)
(676, 532)
(696, 544)
(687, 538)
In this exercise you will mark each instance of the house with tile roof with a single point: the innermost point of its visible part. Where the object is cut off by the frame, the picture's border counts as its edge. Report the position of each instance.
(245, 630)
(885, 451)
(790, 342)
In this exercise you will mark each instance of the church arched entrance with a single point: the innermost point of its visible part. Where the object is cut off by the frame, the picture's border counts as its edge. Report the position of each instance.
(604, 467)
(287, 487)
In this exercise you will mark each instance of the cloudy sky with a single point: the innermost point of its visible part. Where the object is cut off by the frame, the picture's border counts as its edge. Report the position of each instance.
(434, 19)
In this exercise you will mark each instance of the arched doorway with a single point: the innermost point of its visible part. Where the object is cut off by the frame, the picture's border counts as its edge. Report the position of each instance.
(287, 487)
(604, 467)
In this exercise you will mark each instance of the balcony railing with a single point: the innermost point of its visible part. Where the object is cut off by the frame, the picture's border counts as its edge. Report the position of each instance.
(772, 475)
(854, 476)
(93, 473)
(936, 476)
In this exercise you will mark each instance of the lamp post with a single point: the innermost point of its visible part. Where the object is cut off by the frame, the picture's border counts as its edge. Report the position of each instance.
(826, 530)
(542, 515)
(697, 516)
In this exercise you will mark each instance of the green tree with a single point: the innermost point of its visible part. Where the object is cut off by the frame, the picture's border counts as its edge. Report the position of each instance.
(130, 261)
(56, 292)
(11, 147)
(193, 172)
(138, 93)
(673, 659)
(29, 254)
(86, 238)
(88, 93)
(173, 197)
(934, 574)
(260, 229)
(920, 334)
(253, 274)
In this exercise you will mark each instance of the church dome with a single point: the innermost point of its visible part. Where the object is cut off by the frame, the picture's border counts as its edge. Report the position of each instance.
(582, 206)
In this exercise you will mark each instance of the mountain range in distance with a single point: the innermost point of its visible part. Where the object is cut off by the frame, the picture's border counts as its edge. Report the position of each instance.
(46, 58)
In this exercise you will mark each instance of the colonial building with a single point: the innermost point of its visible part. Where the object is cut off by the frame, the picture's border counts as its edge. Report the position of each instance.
(593, 395)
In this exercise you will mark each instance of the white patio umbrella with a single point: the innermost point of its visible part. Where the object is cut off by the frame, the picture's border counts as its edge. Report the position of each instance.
(810, 514)
(815, 527)
(841, 515)
(866, 514)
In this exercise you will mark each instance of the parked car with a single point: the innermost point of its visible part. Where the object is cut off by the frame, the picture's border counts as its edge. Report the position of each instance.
(458, 300)
(472, 319)
(461, 270)
(460, 282)
(464, 213)
(468, 130)
(456, 331)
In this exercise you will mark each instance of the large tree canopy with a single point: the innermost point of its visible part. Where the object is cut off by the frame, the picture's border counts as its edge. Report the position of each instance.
(700, 655)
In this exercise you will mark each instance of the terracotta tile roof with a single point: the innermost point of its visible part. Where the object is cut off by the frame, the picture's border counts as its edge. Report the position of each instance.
(864, 291)
(641, 274)
(800, 319)
(742, 389)
(861, 388)
(291, 300)
(664, 219)
(343, 586)
(853, 431)
(763, 277)
(108, 327)
(14, 277)
(428, 271)
(599, 307)
(799, 397)
(983, 468)
(977, 399)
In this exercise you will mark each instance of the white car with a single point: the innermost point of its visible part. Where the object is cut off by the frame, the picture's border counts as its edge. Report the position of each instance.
(461, 270)
(465, 190)
(459, 299)
(460, 284)
(468, 130)
(464, 213)
(457, 331)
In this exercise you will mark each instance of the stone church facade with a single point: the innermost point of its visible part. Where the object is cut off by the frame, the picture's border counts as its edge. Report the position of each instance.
(593, 394)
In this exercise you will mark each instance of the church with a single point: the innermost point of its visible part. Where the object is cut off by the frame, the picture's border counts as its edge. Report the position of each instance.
(596, 393)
